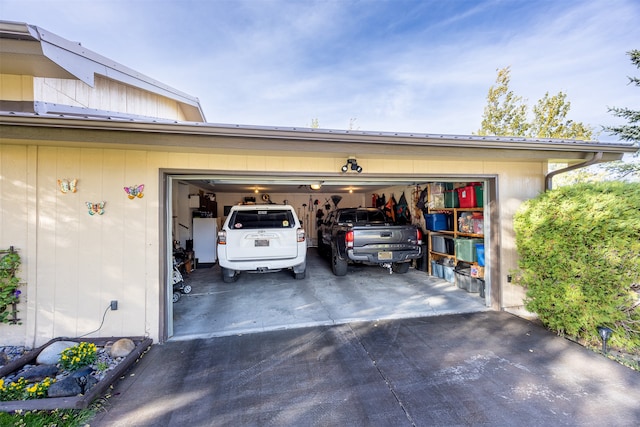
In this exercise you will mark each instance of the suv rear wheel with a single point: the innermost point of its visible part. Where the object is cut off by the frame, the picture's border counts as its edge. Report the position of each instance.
(229, 276)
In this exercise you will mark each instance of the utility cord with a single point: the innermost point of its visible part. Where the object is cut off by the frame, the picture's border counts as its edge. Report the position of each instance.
(101, 323)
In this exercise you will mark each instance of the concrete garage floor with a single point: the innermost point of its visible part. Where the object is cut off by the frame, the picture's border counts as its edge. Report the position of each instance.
(274, 301)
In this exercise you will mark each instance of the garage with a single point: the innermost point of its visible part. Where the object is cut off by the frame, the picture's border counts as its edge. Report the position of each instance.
(437, 283)
(71, 143)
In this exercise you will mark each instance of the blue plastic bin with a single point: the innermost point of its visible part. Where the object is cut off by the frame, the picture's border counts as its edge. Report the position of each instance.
(436, 222)
(480, 253)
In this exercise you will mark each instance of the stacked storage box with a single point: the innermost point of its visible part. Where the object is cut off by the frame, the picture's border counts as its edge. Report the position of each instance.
(436, 221)
(436, 195)
(449, 274)
(466, 249)
(466, 282)
(442, 244)
(451, 199)
(470, 196)
(436, 269)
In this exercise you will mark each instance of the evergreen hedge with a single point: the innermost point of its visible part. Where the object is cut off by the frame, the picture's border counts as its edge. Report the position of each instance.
(579, 260)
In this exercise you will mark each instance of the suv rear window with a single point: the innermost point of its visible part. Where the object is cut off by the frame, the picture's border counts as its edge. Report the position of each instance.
(262, 219)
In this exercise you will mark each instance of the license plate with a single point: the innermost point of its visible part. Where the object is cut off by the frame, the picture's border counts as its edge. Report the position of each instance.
(385, 255)
(262, 242)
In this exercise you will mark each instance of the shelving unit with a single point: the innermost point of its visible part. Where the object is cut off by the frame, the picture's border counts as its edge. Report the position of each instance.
(473, 229)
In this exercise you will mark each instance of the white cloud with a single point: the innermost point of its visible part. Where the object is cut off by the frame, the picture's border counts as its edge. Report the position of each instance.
(422, 66)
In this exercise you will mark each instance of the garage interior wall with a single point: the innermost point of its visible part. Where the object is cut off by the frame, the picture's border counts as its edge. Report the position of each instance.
(75, 263)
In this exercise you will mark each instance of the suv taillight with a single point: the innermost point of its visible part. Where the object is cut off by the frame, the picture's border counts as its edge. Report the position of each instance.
(348, 238)
(419, 235)
(222, 237)
(301, 235)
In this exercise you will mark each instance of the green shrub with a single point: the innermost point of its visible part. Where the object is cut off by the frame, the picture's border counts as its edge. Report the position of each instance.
(579, 260)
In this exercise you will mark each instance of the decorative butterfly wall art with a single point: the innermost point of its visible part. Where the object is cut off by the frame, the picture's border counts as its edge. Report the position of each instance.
(68, 185)
(134, 191)
(96, 208)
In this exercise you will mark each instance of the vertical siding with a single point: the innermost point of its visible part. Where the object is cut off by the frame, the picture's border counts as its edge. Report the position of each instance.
(517, 182)
(16, 87)
(84, 261)
(106, 95)
(14, 230)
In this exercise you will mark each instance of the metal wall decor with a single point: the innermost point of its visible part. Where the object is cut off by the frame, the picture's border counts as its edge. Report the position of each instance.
(96, 208)
(68, 185)
(134, 191)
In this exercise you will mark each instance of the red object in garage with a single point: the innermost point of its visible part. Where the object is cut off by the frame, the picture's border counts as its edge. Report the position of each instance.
(467, 196)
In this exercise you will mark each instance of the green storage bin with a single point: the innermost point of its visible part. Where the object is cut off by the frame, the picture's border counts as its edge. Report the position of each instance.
(466, 249)
(448, 186)
(451, 199)
(479, 196)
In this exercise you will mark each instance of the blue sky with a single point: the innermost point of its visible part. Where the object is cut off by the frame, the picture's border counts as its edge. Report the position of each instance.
(397, 65)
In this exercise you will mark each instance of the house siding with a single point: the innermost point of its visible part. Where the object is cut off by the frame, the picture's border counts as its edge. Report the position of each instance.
(77, 263)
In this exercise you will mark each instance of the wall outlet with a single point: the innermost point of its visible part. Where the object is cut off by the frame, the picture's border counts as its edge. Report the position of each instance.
(114, 305)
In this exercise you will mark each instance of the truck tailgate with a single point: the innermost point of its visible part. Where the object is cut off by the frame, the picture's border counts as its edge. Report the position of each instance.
(381, 237)
(261, 244)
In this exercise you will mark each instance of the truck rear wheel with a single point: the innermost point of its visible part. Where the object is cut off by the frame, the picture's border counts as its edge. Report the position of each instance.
(322, 248)
(338, 265)
(401, 267)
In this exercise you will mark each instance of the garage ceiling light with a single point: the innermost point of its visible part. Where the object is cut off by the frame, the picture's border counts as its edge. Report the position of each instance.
(353, 165)
(316, 186)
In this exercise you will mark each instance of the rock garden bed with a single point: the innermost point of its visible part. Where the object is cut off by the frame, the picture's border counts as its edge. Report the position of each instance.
(91, 383)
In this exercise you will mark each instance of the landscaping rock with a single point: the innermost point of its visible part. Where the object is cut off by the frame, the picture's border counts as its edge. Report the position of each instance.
(4, 359)
(40, 372)
(122, 347)
(51, 354)
(66, 387)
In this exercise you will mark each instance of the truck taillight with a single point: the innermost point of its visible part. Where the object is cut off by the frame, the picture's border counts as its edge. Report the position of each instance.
(419, 235)
(222, 237)
(301, 235)
(348, 238)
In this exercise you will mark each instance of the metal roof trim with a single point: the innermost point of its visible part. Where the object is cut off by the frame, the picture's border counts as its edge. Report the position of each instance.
(88, 122)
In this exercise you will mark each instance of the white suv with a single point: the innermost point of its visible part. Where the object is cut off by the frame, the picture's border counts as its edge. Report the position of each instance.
(261, 238)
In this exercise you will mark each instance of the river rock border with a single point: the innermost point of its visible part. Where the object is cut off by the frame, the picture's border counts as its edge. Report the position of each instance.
(74, 402)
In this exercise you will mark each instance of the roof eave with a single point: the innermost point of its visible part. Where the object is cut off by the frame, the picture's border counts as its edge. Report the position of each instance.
(192, 132)
(80, 63)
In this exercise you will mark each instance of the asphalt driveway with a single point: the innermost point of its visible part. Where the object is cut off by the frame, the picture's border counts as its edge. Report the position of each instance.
(487, 368)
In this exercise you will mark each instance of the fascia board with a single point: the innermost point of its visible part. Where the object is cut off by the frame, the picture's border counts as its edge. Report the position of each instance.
(261, 138)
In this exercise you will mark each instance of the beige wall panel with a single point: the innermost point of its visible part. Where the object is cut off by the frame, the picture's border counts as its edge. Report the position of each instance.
(46, 245)
(152, 245)
(140, 229)
(109, 277)
(256, 163)
(14, 231)
(16, 87)
(517, 183)
(68, 229)
(275, 163)
(199, 161)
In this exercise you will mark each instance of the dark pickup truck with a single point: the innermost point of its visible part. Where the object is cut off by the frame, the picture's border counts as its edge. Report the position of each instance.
(363, 235)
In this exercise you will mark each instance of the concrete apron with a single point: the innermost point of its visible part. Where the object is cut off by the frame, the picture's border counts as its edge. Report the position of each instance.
(487, 368)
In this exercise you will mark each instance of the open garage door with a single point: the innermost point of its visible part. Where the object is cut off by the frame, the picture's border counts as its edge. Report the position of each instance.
(275, 301)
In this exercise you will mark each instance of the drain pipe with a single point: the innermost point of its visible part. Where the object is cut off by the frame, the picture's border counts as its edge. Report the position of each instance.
(548, 183)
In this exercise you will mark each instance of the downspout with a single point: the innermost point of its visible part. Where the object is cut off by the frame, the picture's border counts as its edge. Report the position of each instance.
(549, 178)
